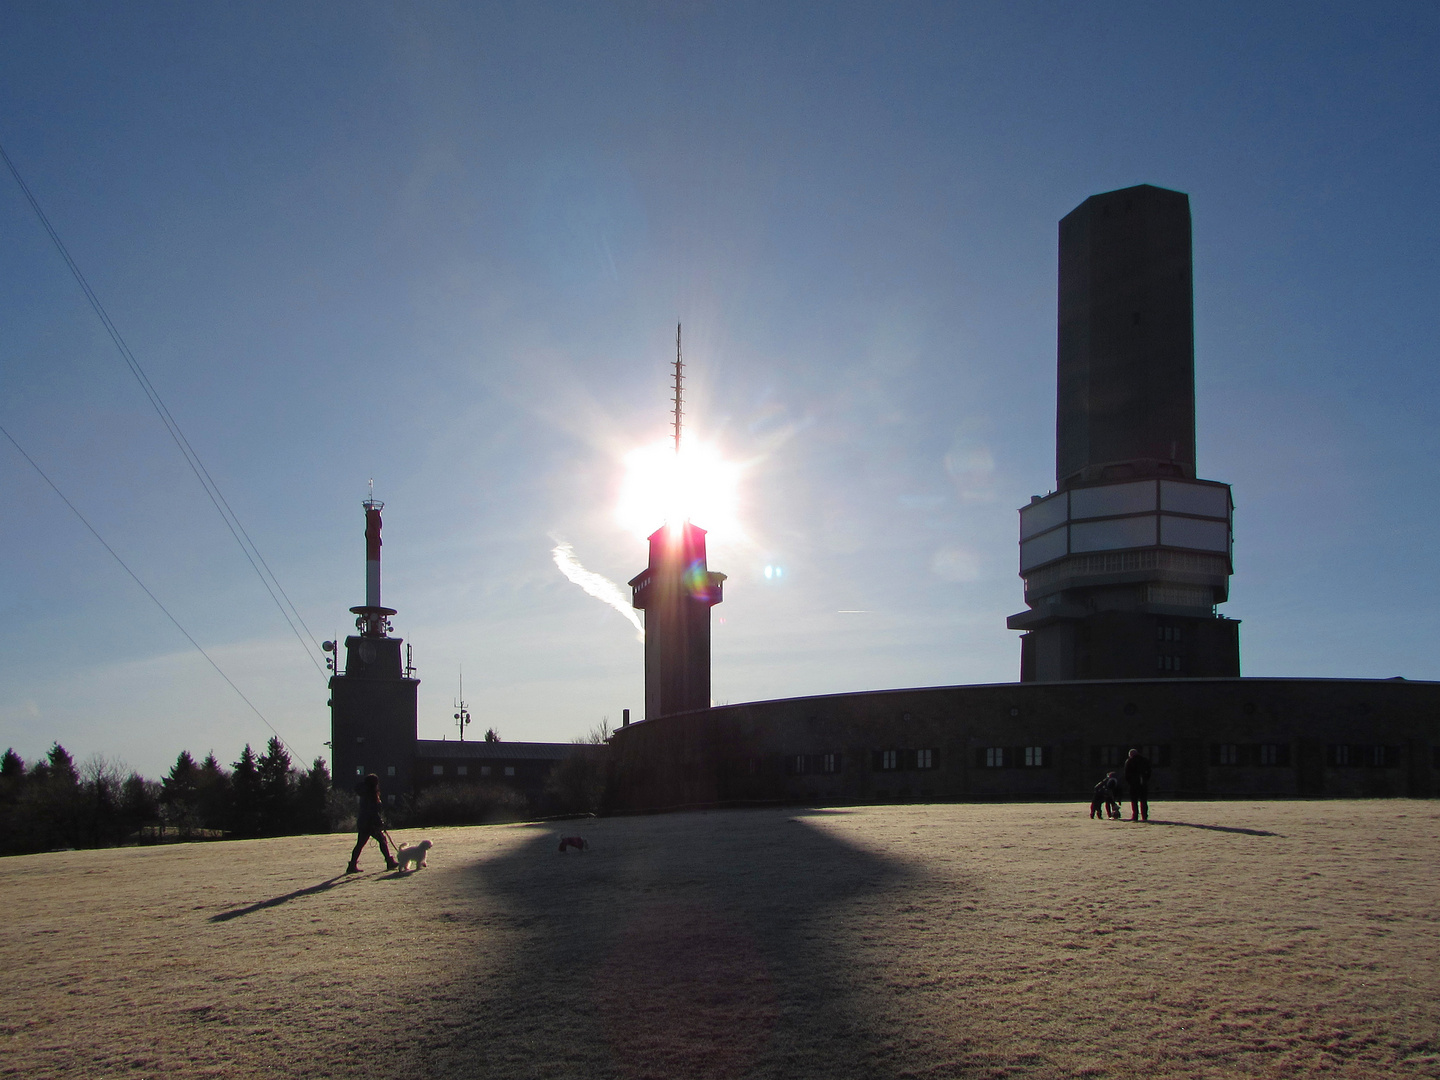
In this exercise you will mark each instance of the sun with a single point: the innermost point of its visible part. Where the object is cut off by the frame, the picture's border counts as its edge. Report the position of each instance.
(662, 487)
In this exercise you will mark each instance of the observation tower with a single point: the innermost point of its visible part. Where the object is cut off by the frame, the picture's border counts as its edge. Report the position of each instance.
(676, 591)
(1126, 560)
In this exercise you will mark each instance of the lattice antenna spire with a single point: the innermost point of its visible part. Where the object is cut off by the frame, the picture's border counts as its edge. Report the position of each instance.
(679, 387)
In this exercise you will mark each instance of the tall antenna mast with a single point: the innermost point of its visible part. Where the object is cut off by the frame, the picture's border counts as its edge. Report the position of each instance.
(679, 385)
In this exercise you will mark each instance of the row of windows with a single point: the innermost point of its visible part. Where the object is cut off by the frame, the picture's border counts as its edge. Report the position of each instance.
(1014, 757)
(802, 764)
(896, 760)
(439, 770)
(1167, 663)
(1167, 633)
(1277, 754)
(1112, 757)
(1343, 755)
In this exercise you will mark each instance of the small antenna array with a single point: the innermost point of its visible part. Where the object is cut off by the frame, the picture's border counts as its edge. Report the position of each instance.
(679, 387)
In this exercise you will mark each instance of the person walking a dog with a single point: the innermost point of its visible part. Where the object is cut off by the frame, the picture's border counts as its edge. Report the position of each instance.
(368, 824)
(1137, 779)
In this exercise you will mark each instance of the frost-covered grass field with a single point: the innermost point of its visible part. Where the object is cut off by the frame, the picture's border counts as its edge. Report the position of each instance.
(1220, 939)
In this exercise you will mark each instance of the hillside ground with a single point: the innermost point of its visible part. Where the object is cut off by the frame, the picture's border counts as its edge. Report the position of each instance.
(1220, 939)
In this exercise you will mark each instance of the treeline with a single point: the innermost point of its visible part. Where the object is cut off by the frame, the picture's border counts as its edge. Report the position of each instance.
(51, 804)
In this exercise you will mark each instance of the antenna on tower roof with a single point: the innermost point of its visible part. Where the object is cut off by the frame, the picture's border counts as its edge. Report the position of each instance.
(679, 385)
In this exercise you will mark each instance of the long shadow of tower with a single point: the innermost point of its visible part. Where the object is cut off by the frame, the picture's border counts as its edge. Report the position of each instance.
(1124, 563)
(676, 592)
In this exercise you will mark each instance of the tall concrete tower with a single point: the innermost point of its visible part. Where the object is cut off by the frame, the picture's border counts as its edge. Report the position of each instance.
(676, 592)
(1125, 561)
(374, 701)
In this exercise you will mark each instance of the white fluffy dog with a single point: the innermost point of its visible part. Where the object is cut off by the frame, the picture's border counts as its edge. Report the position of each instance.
(412, 856)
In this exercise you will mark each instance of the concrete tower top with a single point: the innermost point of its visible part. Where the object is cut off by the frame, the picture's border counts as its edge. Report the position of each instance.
(1125, 407)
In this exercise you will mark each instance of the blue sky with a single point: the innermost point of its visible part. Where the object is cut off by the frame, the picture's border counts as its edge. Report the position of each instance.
(446, 245)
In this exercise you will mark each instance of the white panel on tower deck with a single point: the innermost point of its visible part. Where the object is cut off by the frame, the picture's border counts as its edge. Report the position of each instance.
(1112, 535)
(1132, 498)
(1190, 533)
(1042, 549)
(1046, 514)
(1204, 499)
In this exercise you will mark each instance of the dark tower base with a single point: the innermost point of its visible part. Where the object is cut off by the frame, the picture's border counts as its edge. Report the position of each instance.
(373, 716)
(676, 592)
(1130, 645)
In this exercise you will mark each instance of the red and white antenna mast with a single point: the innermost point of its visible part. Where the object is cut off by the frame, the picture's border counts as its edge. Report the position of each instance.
(374, 620)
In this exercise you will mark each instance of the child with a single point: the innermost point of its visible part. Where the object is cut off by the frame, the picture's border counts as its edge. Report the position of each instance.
(367, 823)
(1105, 800)
(1097, 801)
(1112, 800)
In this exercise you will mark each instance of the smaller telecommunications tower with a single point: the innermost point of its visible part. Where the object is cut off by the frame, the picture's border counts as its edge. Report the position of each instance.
(373, 702)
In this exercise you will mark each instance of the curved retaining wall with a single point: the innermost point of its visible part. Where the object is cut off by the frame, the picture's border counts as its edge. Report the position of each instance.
(1207, 738)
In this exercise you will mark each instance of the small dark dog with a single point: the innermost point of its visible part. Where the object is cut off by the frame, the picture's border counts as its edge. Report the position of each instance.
(577, 842)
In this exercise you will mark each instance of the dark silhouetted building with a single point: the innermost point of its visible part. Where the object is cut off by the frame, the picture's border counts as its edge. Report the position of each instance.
(676, 592)
(1126, 560)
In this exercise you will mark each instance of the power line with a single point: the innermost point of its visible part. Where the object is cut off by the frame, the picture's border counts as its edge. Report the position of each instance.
(135, 577)
(217, 499)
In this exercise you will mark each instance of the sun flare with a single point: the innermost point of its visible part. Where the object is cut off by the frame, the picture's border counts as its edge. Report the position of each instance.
(662, 487)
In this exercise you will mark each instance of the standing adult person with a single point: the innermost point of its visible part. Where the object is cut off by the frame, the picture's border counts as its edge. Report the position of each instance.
(1137, 779)
(368, 824)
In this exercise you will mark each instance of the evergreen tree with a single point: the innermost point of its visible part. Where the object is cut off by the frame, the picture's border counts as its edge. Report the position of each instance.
(139, 803)
(245, 795)
(61, 766)
(58, 803)
(312, 798)
(212, 791)
(12, 777)
(12, 785)
(275, 794)
(178, 794)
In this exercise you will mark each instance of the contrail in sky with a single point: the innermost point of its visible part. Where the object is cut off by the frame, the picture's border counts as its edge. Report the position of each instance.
(597, 585)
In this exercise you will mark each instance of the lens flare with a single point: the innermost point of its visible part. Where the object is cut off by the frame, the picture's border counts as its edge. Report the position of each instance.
(662, 487)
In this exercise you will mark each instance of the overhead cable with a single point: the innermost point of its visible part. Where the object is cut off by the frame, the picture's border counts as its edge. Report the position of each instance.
(222, 507)
(125, 566)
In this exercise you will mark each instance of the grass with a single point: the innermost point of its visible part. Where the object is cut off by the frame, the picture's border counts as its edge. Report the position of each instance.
(1220, 939)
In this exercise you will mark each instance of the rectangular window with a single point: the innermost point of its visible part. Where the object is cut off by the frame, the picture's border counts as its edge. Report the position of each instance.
(795, 764)
(1225, 754)
(437, 770)
(889, 760)
(831, 763)
(994, 757)
(1105, 757)
(359, 770)
(390, 771)
(1274, 754)
(1036, 757)
(1159, 755)
(462, 770)
(1339, 754)
(509, 770)
(484, 770)
(924, 759)
(1380, 757)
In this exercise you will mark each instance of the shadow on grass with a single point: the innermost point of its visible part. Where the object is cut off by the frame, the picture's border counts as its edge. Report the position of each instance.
(276, 901)
(1214, 828)
(696, 945)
